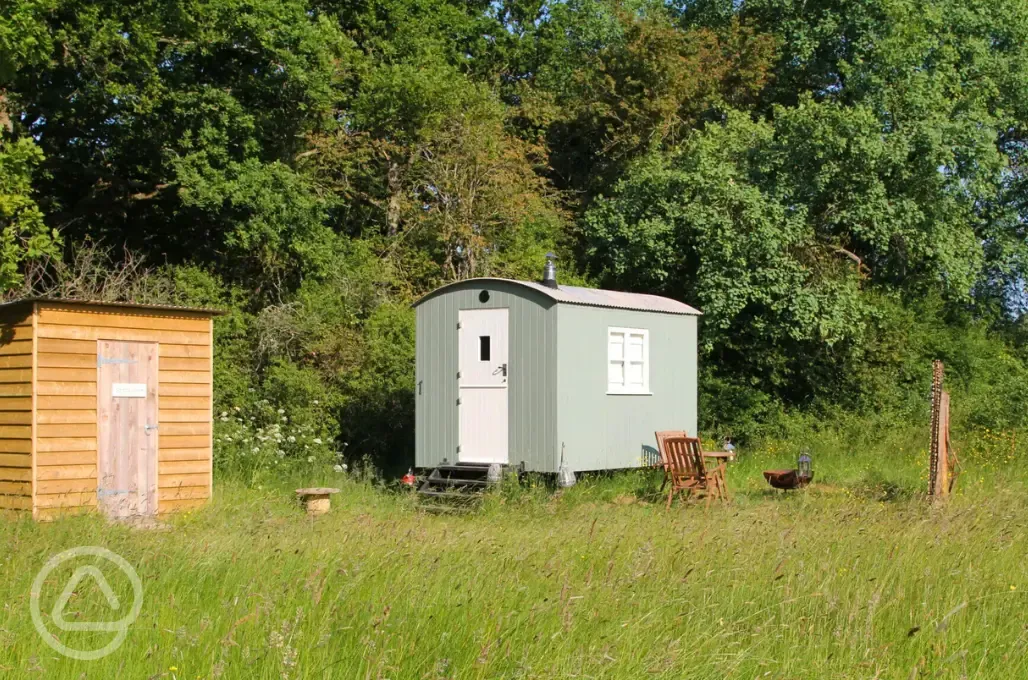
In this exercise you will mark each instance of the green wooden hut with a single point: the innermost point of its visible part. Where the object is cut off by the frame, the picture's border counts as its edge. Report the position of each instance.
(523, 372)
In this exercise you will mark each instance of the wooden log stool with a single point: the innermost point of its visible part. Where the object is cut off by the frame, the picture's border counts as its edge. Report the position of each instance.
(317, 501)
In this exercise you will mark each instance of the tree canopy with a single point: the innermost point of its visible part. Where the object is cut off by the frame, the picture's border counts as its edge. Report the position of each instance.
(838, 184)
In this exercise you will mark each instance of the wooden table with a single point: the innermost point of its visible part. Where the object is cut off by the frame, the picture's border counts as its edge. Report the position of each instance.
(720, 455)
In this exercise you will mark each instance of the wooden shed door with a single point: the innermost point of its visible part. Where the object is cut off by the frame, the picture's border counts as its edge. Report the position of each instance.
(127, 428)
(482, 356)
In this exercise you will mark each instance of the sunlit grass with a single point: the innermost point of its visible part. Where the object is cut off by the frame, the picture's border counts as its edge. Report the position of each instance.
(856, 577)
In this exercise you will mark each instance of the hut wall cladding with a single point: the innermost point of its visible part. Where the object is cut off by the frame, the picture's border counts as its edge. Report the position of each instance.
(66, 408)
(16, 344)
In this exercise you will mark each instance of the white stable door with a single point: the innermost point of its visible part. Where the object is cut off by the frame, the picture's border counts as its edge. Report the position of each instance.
(482, 377)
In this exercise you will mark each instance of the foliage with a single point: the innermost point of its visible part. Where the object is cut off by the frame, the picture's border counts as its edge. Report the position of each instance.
(838, 184)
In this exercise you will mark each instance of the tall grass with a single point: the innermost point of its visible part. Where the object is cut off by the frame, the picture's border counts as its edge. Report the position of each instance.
(857, 577)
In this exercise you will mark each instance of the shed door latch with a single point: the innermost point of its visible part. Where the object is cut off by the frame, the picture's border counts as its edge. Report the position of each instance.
(148, 428)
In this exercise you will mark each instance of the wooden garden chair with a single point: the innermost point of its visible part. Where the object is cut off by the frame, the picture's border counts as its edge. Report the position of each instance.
(684, 467)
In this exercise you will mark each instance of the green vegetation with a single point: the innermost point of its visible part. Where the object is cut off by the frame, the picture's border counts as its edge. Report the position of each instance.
(856, 577)
(837, 184)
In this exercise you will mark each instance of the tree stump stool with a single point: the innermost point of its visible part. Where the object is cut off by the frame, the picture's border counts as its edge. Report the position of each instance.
(317, 501)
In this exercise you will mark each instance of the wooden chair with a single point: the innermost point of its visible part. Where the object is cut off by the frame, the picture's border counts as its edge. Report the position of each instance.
(685, 468)
(661, 437)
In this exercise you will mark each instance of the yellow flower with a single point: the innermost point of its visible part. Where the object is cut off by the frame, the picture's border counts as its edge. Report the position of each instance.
(175, 668)
(1013, 587)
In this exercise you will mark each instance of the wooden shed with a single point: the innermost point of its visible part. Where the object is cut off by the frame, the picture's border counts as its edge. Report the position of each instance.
(104, 405)
(527, 372)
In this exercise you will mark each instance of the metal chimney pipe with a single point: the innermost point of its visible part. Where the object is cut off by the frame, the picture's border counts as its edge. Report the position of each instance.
(550, 271)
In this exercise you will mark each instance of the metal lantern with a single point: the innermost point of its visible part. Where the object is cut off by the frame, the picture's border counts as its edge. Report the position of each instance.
(804, 469)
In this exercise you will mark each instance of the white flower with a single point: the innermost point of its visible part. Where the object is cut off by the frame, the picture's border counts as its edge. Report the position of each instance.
(316, 402)
(310, 459)
(338, 468)
(281, 411)
(317, 440)
(224, 413)
(291, 439)
(284, 419)
(345, 466)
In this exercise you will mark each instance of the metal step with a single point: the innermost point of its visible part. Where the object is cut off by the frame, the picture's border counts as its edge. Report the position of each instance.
(450, 495)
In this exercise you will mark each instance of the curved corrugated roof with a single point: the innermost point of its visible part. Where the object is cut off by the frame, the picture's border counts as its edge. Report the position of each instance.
(591, 297)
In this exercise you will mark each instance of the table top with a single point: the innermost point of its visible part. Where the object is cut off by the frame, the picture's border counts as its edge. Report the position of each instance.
(725, 455)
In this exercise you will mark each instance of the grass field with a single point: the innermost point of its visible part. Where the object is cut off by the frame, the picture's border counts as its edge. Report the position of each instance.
(855, 578)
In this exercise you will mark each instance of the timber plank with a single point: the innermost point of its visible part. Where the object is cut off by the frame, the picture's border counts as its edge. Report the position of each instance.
(66, 430)
(16, 417)
(66, 389)
(202, 377)
(15, 502)
(16, 488)
(66, 444)
(49, 458)
(68, 374)
(166, 415)
(56, 346)
(183, 467)
(16, 361)
(174, 429)
(121, 334)
(185, 403)
(15, 446)
(19, 403)
(171, 481)
(16, 333)
(186, 442)
(54, 472)
(16, 460)
(67, 403)
(183, 390)
(182, 492)
(64, 360)
(16, 390)
(15, 375)
(168, 350)
(67, 500)
(16, 348)
(16, 431)
(66, 486)
(181, 364)
(16, 474)
(58, 417)
(167, 455)
(99, 318)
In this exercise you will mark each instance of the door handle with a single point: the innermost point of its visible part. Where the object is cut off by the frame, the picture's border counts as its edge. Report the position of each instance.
(504, 369)
(149, 428)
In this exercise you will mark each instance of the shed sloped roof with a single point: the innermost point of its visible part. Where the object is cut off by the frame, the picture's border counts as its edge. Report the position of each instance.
(99, 303)
(592, 297)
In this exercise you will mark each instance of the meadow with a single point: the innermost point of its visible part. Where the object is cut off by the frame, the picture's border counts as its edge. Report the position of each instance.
(856, 577)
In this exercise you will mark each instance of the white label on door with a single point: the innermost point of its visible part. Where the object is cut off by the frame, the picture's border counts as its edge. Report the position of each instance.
(134, 390)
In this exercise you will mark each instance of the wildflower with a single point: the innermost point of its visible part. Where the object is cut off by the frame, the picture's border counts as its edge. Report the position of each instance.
(338, 468)
(317, 440)
(1013, 587)
(310, 459)
(345, 468)
(291, 439)
(172, 668)
(316, 402)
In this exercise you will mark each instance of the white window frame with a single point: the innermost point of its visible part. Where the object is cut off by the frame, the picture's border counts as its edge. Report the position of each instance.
(623, 388)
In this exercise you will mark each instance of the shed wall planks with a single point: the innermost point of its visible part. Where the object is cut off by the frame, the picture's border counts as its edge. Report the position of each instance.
(48, 402)
(16, 341)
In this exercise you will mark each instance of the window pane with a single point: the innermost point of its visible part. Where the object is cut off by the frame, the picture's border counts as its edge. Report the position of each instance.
(616, 373)
(483, 347)
(616, 347)
(634, 374)
(635, 348)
